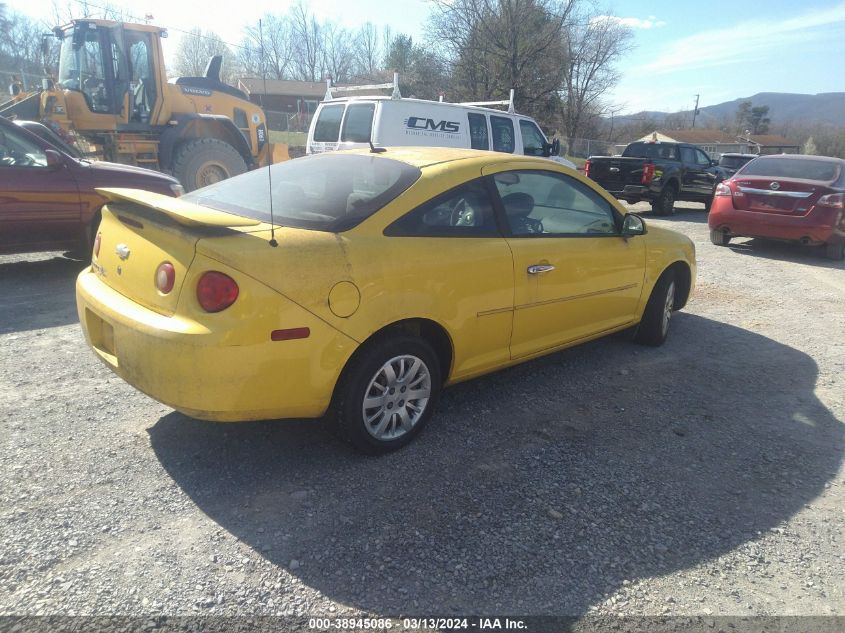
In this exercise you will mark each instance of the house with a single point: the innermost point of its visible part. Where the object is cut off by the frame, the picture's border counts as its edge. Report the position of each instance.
(288, 104)
(717, 142)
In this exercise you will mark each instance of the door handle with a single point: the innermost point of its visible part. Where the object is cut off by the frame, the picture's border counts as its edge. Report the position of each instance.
(536, 269)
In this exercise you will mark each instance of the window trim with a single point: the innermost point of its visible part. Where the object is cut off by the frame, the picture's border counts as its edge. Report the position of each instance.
(392, 230)
(345, 118)
(487, 133)
(513, 134)
(504, 225)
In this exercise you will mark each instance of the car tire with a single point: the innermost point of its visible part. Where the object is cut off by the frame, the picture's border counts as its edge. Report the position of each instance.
(834, 250)
(665, 202)
(719, 238)
(654, 326)
(392, 421)
(204, 161)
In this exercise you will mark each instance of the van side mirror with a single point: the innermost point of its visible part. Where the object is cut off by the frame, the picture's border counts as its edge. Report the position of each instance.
(552, 149)
(633, 225)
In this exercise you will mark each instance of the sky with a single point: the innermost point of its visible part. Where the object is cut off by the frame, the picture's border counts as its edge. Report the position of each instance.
(718, 49)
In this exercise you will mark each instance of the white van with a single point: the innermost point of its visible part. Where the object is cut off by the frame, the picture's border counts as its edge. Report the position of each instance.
(352, 122)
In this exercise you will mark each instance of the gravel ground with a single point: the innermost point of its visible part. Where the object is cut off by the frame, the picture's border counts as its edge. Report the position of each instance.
(700, 478)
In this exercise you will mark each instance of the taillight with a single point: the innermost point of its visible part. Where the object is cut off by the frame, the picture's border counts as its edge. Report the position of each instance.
(97, 241)
(722, 190)
(165, 277)
(587, 168)
(832, 200)
(216, 291)
(648, 174)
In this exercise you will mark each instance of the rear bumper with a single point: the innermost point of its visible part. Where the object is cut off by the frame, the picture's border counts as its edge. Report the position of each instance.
(211, 373)
(631, 193)
(813, 228)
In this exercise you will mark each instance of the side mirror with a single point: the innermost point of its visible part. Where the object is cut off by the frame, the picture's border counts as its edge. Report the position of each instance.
(54, 159)
(633, 225)
(714, 163)
(551, 149)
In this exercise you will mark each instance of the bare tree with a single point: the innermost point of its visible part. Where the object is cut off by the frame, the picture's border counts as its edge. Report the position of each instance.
(308, 44)
(195, 49)
(494, 45)
(368, 57)
(273, 54)
(591, 45)
(337, 52)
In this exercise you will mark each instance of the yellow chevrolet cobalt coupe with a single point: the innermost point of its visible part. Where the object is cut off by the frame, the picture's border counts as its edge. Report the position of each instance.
(381, 277)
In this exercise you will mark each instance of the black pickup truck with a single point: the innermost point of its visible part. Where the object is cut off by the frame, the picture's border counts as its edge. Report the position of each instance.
(658, 172)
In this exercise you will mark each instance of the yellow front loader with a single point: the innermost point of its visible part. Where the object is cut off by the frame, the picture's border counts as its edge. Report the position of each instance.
(112, 98)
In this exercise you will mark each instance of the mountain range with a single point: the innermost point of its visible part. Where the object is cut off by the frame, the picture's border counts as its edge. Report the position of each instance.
(826, 107)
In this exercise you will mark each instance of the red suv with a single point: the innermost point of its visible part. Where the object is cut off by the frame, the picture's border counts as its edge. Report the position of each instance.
(47, 197)
(787, 197)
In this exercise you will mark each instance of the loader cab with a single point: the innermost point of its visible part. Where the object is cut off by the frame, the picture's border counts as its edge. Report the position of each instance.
(114, 69)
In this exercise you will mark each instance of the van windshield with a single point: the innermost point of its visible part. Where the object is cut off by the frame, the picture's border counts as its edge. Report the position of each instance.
(326, 192)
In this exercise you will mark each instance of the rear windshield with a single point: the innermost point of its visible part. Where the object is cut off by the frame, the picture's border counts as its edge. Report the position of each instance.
(326, 192)
(650, 150)
(783, 167)
(734, 162)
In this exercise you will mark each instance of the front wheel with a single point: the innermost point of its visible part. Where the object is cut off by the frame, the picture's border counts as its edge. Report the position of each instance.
(204, 161)
(654, 327)
(387, 394)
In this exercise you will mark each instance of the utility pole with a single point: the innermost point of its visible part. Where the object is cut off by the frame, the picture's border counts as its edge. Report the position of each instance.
(695, 111)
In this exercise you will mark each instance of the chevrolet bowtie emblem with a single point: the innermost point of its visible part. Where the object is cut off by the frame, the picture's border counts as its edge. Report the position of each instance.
(122, 251)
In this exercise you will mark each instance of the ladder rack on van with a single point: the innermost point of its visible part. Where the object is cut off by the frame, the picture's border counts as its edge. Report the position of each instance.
(508, 103)
(395, 85)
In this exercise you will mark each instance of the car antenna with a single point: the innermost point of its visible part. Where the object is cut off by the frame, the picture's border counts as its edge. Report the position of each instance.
(273, 241)
(376, 150)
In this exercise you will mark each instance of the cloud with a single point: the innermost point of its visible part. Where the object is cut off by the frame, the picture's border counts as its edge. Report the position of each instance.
(745, 41)
(634, 23)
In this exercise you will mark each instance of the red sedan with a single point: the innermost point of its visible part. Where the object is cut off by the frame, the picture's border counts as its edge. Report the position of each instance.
(48, 198)
(786, 197)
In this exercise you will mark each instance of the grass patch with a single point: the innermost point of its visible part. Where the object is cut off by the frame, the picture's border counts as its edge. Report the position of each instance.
(294, 139)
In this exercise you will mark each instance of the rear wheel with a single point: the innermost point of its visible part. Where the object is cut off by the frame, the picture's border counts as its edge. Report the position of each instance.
(387, 394)
(204, 161)
(665, 203)
(654, 327)
(835, 251)
(719, 238)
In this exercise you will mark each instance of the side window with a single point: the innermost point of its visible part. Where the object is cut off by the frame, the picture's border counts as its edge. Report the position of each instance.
(544, 202)
(687, 155)
(502, 134)
(327, 129)
(532, 138)
(478, 131)
(17, 151)
(465, 211)
(702, 158)
(358, 124)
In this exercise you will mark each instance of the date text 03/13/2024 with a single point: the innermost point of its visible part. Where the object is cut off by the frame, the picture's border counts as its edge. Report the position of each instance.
(411, 624)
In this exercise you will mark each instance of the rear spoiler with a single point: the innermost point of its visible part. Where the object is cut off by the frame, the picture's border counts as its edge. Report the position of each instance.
(184, 213)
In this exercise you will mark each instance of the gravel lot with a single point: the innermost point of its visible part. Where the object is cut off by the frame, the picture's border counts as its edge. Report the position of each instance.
(701, 478)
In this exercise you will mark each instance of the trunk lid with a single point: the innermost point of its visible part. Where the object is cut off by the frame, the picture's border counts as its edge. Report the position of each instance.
(783, 196)
(141, 230)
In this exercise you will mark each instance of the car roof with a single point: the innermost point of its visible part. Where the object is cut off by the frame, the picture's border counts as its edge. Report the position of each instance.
(427, 156)
(740, 155)
(826, 159)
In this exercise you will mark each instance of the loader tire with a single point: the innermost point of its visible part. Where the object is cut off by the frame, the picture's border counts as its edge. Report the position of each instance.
(204, 161)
